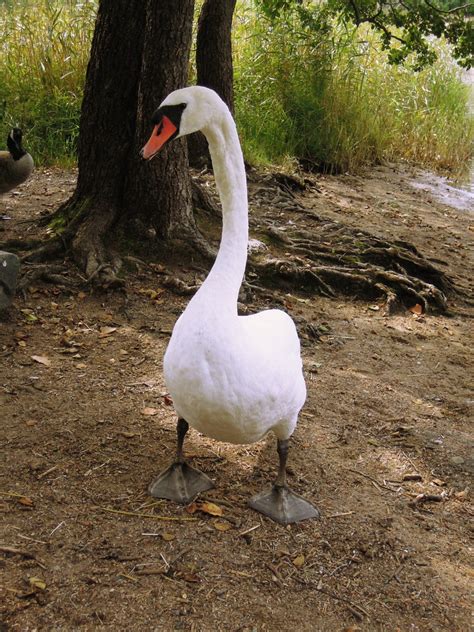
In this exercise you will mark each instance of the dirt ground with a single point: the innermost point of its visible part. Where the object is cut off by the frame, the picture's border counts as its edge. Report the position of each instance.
(383, 447)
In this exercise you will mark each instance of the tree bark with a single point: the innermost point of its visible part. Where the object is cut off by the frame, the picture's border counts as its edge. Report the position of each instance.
(109, 106)
(107, 124)
(214, 48)
(213, 62)
(160, 192)
(140, 53)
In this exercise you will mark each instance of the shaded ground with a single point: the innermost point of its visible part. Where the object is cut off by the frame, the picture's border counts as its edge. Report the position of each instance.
(382, 447)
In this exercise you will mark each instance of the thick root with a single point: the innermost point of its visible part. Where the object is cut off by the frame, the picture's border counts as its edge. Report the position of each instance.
(53, 273)
(203, 200)
(178, 286)
(20, 244)
(335, 259)
(50, 250)
(366, 281)
(100, 265)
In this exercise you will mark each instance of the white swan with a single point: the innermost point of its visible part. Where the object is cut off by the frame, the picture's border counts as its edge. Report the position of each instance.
(233, 378)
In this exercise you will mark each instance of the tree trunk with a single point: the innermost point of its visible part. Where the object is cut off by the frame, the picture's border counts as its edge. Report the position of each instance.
(107, 124)
(160, 191)
(109, 106)
(214, 48)
(213, 62)
(140, 53)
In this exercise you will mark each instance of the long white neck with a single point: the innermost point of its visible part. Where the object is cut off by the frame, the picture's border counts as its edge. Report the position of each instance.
(225, 278)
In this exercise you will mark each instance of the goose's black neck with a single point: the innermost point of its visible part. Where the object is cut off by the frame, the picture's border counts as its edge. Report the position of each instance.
(15, 148)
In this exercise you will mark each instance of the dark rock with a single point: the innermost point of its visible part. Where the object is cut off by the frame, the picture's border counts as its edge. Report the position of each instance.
(9, 267)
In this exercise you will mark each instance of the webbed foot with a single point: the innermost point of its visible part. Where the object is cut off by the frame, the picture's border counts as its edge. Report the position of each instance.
(180, 482)
(283, 506)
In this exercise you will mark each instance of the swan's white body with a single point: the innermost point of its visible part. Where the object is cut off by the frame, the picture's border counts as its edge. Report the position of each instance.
(233, 378)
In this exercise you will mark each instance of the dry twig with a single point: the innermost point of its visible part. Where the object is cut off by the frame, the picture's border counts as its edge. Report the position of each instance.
(137, 514)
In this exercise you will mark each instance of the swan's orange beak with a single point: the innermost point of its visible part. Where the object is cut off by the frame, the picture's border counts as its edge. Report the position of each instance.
(160, 134)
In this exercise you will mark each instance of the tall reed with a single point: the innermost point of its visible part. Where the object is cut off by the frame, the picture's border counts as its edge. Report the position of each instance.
(329, 97)
(333, 98)
(43, 58)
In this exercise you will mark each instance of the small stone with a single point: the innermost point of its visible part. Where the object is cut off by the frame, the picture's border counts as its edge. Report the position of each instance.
(456, 460)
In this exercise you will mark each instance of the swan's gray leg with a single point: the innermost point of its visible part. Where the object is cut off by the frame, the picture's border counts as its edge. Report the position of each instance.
(180, 482)
(280, 503)
(182, 428)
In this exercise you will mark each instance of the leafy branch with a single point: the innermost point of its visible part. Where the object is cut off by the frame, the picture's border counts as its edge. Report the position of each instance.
(404, 25)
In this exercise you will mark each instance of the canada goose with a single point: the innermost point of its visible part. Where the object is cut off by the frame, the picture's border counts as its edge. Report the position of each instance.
(16, 164)
(233, 378)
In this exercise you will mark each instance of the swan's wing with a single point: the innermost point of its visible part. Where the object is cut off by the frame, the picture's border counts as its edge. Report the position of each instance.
(274, 330)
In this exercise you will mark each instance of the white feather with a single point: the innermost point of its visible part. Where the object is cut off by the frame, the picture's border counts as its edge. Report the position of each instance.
(233, 378)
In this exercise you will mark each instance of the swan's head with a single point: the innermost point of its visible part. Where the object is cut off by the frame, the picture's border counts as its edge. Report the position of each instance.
(183, 112)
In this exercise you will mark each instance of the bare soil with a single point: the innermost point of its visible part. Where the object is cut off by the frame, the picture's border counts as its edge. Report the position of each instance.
(383, 447)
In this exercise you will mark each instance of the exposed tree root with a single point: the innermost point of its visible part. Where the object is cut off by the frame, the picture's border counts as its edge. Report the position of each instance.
(61, 242)
(50, 273)
(330, 259)
(178, 286)
(202, 199)
(20, 244)
(363, 281)
(47, 251)
(86, 237)
(337, 259)
(195, 240)
(83, 237)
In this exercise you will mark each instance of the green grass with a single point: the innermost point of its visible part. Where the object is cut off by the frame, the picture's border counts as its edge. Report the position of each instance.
(337, 101)
(43, 58)
(332, 98)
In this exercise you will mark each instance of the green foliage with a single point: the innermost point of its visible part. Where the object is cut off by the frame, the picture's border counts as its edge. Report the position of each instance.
(332, 97)
(43, 57)
(310, 85)
(405, 26)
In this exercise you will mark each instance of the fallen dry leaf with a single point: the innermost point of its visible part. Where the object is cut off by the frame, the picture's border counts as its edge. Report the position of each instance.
(128, 435)
(29, 315)
(416, 309)
(189, 577)
(211, 508)
(38, 583)
(167, 537)
(220, 525)
(153, 294)
(167, 400)
(25, 501)
(149, 411)
(44, 360)
(106, 331)
(206, 507)
(299, 561)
